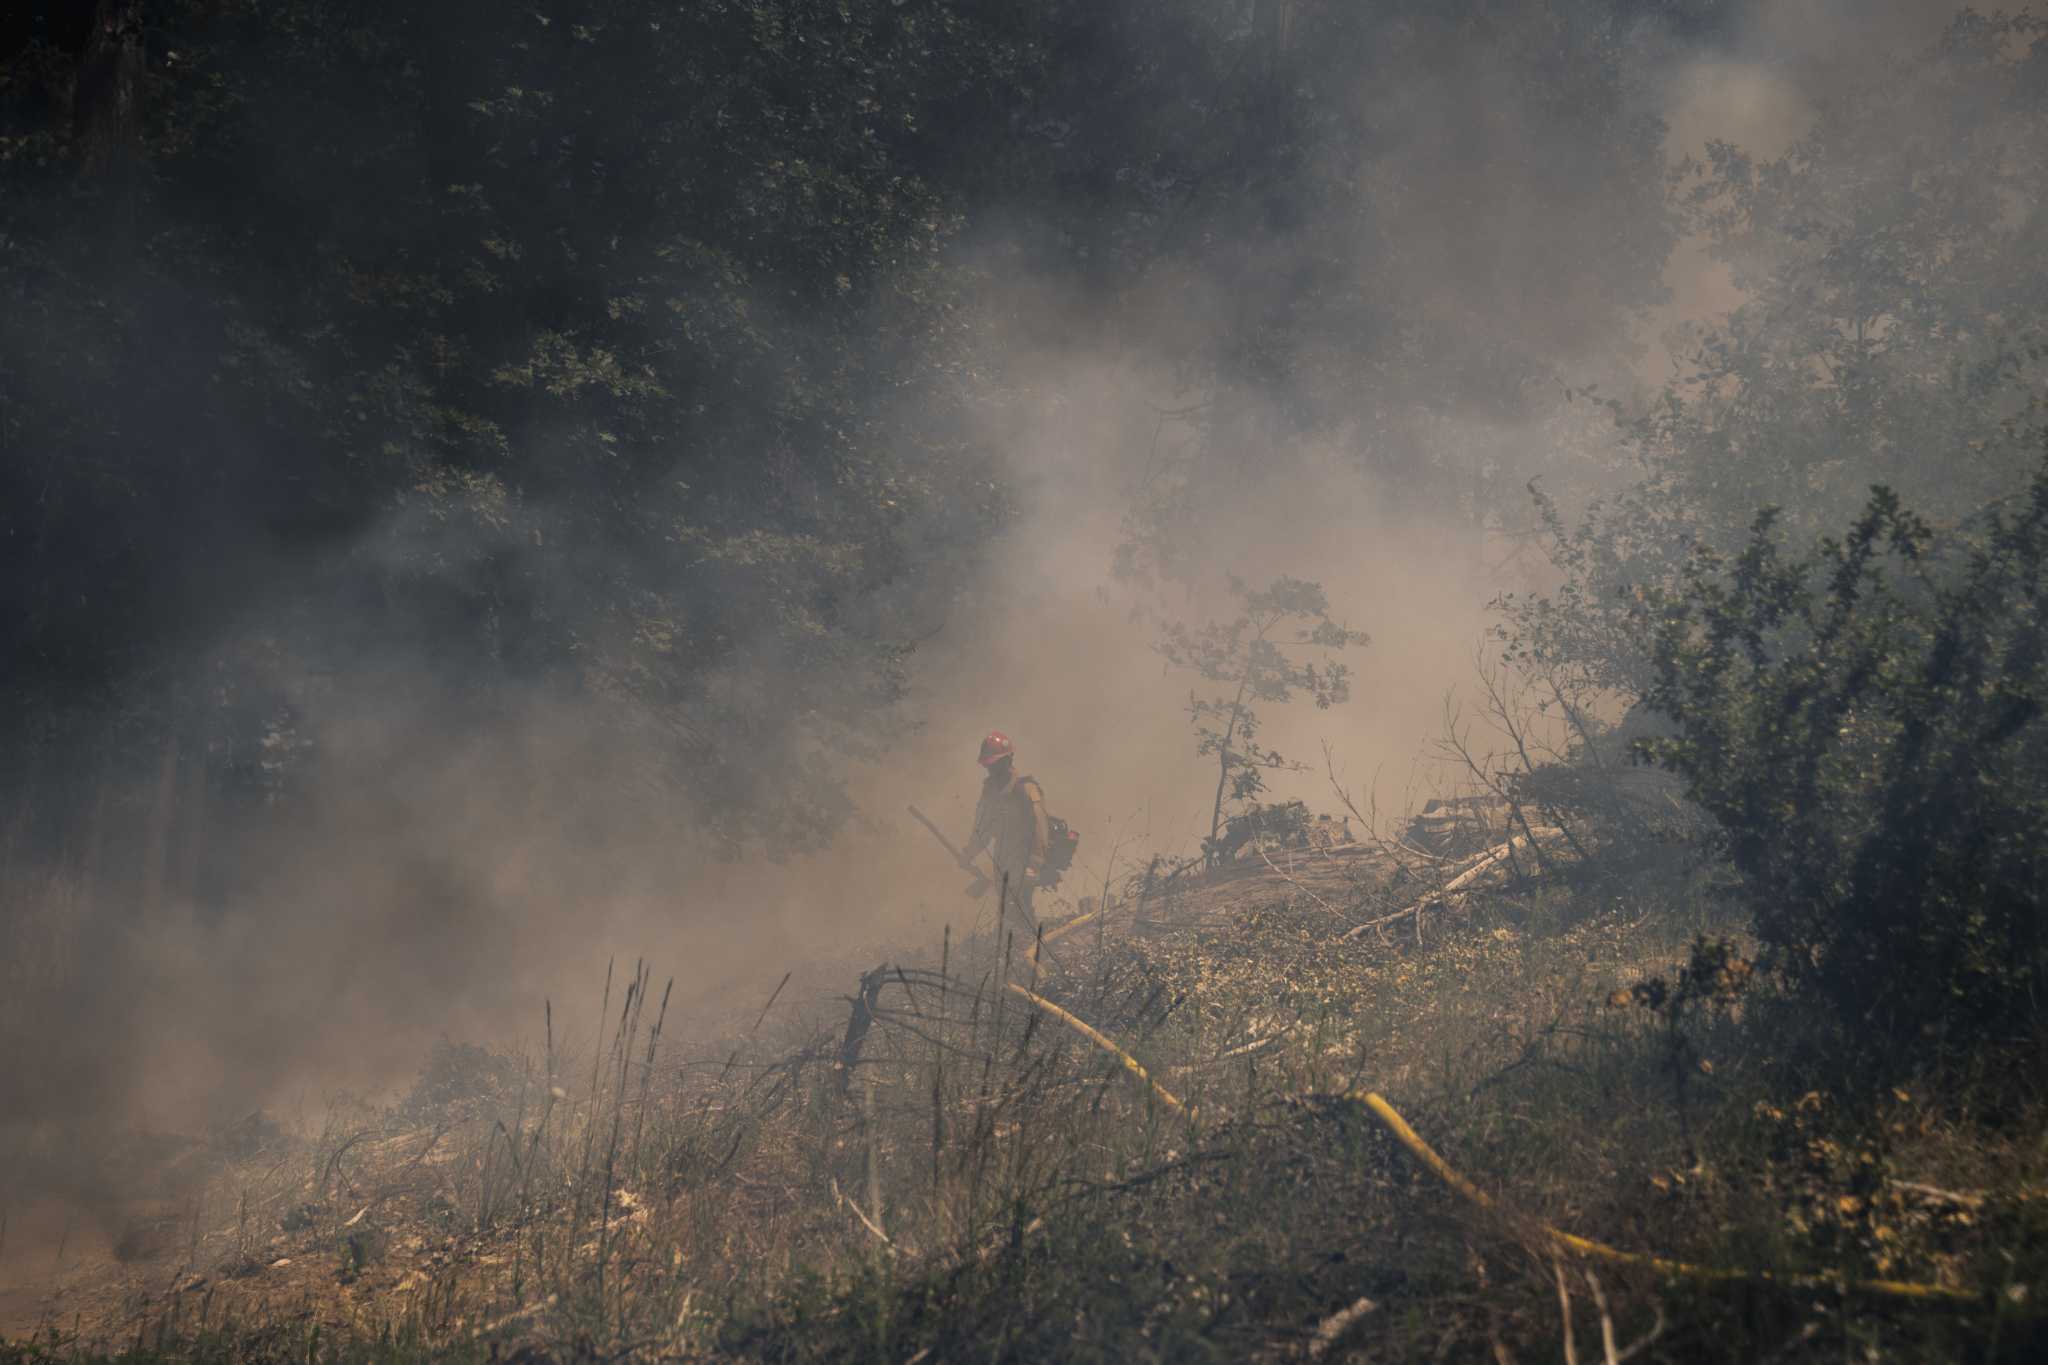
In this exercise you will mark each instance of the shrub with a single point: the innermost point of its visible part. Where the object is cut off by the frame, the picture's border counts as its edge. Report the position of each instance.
(1865, 723)
(462, 1081)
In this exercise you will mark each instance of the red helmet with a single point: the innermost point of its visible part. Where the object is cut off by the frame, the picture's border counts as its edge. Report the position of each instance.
(996, 748)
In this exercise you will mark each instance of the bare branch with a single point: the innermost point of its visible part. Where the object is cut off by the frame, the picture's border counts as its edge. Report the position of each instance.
(1564, 1308)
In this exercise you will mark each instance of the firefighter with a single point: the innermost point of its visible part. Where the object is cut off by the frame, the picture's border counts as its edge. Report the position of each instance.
(1010, 821)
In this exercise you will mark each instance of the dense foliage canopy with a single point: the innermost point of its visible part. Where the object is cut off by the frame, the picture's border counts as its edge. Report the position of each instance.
(1891, 331)
(649, 355)
(1853, 689)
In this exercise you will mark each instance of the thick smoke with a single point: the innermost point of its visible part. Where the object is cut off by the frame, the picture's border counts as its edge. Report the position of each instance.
(435, 886)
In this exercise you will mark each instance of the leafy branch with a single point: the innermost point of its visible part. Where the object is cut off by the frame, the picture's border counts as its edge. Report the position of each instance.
(1278, 646)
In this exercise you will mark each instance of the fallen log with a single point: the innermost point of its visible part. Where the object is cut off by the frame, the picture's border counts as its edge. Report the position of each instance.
(1461, 882)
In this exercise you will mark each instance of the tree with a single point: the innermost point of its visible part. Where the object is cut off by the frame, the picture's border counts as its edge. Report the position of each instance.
(1289, 218)
(1866, 722)
(1893, 330)
(630, 351)
(1895, 315)
(1860, 712)
(1257, 657)
(600, 352)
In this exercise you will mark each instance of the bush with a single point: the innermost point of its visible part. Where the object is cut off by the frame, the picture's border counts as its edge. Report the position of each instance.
(462, 1081)
(1865, 723)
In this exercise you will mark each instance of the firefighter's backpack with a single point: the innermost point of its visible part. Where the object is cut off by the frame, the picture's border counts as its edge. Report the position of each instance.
(1061, 841)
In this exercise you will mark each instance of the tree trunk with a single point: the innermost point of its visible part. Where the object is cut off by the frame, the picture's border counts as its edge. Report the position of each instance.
(107, 112)
(107, 115)
(1223, 758)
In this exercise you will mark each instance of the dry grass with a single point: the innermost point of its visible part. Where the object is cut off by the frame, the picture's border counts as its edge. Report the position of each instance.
(947, 1169)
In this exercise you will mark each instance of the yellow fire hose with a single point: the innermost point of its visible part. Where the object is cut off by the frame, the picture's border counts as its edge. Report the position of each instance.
(1059, 930)
(1390, 1119)
(1101, 1040)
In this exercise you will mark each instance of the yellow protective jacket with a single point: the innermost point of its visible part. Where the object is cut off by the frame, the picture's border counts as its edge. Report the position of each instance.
(1010, 821)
